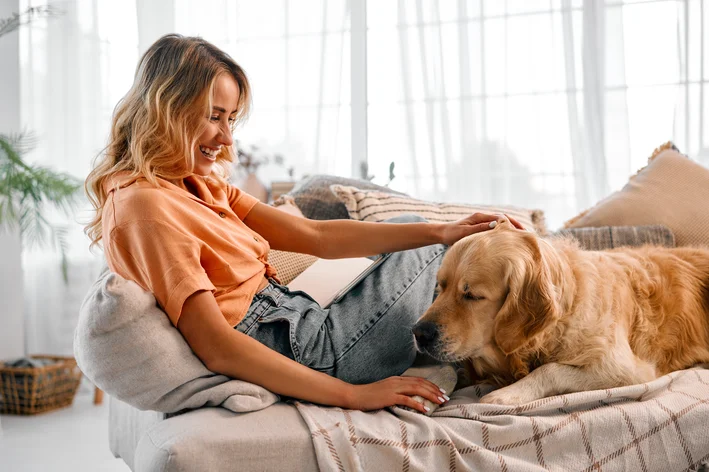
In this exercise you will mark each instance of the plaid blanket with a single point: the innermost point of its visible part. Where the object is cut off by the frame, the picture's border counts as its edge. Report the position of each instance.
(662, 425)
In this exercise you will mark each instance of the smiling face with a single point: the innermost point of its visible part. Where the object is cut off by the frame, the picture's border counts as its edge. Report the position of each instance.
(217, 132)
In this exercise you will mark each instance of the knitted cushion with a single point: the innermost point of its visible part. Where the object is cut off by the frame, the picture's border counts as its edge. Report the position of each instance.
(609, 237)
(289, 265)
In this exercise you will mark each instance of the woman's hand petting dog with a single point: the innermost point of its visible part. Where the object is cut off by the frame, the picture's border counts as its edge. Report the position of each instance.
(475, 223)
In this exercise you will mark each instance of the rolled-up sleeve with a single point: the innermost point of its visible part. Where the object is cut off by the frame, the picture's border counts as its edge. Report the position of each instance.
(162, 259)
(239, 201)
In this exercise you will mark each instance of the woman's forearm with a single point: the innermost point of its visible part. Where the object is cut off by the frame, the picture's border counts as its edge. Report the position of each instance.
(244, 358)
(349, 238)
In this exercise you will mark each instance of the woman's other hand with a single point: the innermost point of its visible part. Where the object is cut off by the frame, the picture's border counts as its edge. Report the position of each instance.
(394, 391)
(475, 223)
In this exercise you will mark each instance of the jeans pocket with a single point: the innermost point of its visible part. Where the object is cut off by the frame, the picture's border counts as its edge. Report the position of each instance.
(257, 308)
(308, 335)
(278, 326)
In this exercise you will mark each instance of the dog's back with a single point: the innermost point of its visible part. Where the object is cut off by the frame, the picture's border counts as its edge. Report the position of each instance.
(669, 316)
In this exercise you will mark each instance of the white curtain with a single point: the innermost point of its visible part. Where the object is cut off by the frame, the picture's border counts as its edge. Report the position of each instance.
(539, 103)
(74, 68)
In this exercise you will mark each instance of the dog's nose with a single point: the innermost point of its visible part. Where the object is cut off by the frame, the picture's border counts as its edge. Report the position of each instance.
(426, 333)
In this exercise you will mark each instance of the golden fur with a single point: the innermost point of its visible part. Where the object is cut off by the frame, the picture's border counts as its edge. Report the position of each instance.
(549, 318)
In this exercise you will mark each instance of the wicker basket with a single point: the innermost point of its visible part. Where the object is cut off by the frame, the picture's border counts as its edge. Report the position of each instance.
(32, 390)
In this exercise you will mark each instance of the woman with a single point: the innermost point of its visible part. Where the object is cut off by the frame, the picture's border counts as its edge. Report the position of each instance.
(169, 221)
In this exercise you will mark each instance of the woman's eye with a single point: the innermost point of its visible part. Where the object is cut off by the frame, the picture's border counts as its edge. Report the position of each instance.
(214, 118)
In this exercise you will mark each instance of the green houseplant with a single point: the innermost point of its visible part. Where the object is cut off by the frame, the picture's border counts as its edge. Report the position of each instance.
(28, 192)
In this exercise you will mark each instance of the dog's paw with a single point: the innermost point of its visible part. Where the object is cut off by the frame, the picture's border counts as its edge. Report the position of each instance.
(431, 406)
(506, 396)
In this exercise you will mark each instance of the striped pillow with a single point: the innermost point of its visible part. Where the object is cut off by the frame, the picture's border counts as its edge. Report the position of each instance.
(374, 205)
(609, 237)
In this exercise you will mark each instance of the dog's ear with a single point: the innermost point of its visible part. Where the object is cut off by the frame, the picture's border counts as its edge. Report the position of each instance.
(531, 305)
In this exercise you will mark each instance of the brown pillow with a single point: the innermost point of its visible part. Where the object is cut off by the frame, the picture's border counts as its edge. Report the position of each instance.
(375, 205)
(671, 190)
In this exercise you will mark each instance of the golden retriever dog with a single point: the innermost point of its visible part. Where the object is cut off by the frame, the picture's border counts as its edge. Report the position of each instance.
(541, 317)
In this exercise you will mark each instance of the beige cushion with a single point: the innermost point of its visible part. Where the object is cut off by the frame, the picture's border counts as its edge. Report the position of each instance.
(671, 190)
(289, 265)
(375, 205)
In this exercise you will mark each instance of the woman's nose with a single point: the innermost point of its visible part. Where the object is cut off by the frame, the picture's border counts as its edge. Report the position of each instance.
(225, 136)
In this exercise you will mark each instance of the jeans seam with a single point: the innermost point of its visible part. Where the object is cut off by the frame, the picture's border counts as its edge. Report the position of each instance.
(257, 313)
(396, 297)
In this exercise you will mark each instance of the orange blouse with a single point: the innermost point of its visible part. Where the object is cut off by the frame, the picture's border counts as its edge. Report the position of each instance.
(175, 240)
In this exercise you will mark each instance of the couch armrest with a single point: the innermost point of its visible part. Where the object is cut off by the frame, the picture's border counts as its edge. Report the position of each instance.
(126, 426)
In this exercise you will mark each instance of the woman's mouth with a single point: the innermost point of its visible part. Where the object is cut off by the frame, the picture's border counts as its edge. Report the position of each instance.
(209, 153)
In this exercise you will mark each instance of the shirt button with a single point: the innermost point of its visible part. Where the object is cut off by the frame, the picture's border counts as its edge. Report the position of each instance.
(222, 214)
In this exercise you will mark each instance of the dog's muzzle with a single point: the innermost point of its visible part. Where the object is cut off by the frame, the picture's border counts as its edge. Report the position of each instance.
(426, 335)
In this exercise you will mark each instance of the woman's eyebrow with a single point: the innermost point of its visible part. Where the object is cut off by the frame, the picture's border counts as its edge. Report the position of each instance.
(222, 110)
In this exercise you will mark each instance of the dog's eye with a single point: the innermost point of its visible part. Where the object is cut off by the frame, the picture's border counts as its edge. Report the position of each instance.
(472, 297)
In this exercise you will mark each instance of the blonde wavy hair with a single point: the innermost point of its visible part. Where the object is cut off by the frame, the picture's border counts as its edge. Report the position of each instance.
(156, 126)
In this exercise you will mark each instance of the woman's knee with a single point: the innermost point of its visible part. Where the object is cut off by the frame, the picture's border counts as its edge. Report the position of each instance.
(366, 363)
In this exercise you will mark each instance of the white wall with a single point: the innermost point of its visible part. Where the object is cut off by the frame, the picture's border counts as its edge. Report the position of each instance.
(12, 332)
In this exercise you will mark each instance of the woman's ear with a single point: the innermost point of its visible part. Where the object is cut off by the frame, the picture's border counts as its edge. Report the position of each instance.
(531, 305)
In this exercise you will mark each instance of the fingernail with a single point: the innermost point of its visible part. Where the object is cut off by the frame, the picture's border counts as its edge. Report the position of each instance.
(492, 224)
(440, 399)
(426, 408)
(446, 397)
(442, 391)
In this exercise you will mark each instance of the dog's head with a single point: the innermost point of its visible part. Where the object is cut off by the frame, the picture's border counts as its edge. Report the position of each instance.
(495, 295)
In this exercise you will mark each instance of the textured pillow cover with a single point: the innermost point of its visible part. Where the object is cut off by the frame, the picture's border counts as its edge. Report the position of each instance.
(124, 343)
(671, 190)
(289, 265)
(609, 237)
(375, 205)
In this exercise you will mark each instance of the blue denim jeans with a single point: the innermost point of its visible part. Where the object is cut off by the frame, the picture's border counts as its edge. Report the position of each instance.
(364, 337)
